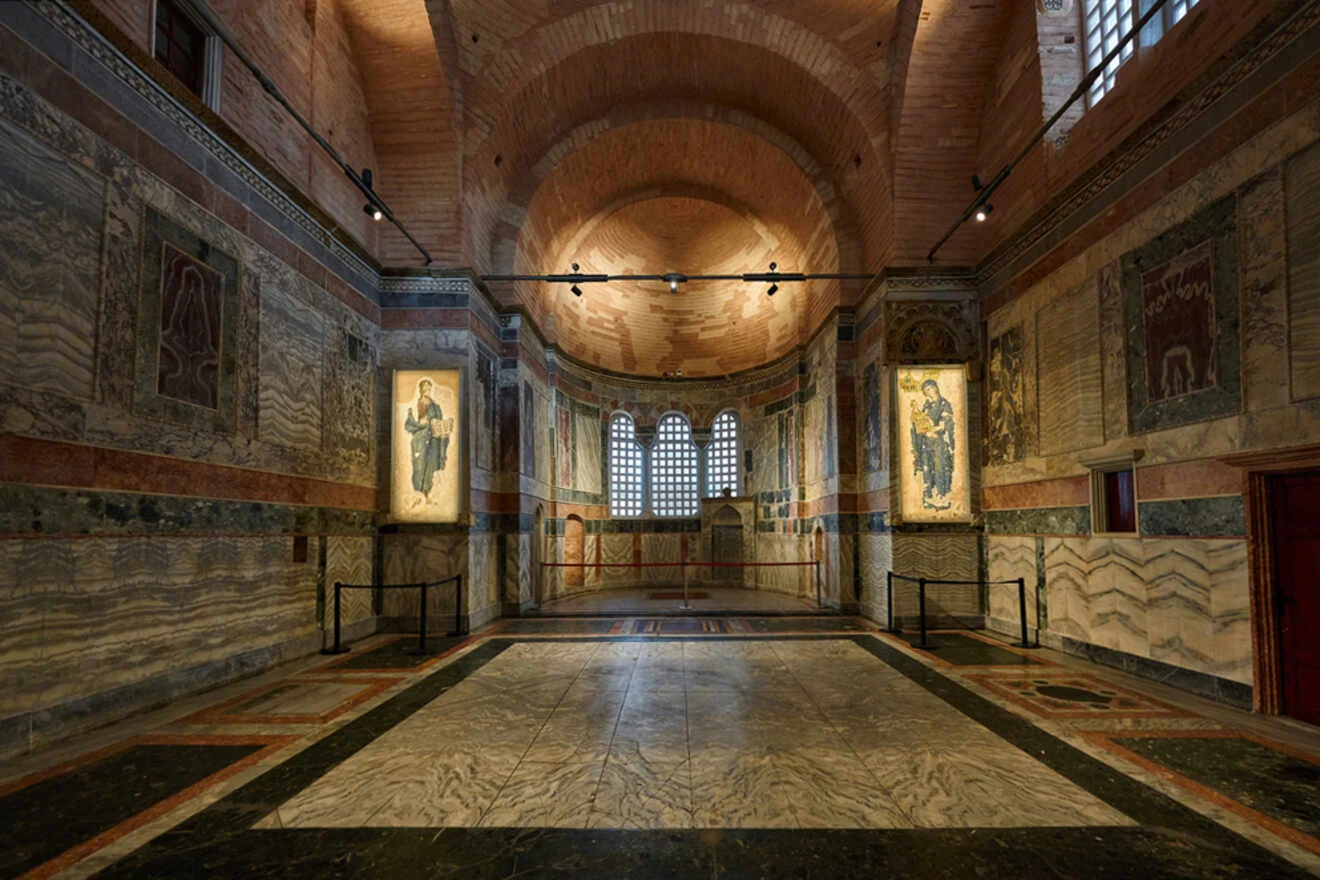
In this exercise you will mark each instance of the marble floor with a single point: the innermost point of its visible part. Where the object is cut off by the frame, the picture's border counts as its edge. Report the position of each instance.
(702, 599)
(776, 746)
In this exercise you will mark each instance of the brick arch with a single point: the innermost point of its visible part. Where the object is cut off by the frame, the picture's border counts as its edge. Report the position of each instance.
(526, 126)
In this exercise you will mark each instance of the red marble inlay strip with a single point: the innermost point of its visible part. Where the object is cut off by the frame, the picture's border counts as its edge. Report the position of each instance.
(83, 850)
(1188, 479)
(1001, 686)
(423, 319)
(1269, 823)
(33, 461)
(217, 715)
(1063, 492)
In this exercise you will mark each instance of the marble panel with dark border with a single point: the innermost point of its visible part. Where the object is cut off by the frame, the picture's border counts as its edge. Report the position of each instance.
(168, 250)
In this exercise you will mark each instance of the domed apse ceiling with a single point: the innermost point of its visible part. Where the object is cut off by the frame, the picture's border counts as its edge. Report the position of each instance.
(682, 196)
(813, 135)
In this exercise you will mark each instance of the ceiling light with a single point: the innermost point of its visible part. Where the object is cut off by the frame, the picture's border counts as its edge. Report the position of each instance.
(373, 210)
(774, 288)
(673, 285)
(983, 212)
(577, 291)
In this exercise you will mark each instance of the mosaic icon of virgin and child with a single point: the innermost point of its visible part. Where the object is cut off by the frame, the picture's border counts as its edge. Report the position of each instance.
(430, 441)
(934, 441)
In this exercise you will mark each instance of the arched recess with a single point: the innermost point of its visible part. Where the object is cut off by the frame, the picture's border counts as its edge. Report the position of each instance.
(575, 551)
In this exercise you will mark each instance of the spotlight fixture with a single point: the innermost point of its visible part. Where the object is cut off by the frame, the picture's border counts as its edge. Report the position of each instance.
(774, 288)
(976, 183)
(373, 210)
(983, 212)
(673, 285)
(575, 290)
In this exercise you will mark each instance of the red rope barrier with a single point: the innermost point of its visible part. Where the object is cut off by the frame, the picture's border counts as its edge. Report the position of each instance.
(669, 564)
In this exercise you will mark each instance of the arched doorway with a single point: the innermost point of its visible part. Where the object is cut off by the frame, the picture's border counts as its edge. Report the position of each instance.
(535, 553)
(726, 545)
(575, 545)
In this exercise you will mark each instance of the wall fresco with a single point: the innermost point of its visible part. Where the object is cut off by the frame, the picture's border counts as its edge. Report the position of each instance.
(426, 466)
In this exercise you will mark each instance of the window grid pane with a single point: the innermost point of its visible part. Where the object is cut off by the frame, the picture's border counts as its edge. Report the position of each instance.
(674, 490)
(625, 468)
(722, 456)
(1105, 23)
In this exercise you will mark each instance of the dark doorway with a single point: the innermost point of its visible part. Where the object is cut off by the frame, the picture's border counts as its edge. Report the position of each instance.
(575, 544)
(726, 538)
(1295, 509)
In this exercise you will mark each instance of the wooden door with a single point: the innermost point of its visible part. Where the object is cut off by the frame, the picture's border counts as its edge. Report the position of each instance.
(1295, 499)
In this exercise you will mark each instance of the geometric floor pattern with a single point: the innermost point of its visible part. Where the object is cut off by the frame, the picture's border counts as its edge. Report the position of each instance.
(701, 751)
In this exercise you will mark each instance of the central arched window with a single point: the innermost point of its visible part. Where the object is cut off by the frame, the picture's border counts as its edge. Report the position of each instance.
(674, 471)
(722, 456)
(625, 468)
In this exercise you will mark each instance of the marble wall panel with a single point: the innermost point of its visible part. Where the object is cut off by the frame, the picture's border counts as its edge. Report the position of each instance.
(483, 411)
(1180, 293)
(350, 367)
(947, 556)
(348, 560)
(875, 556)
(1263, 280)
(1008, 428)
(1303, 211)
(116, 614)
(616, 550)
(482, 581)
(1009, 558)
(51, 226)
(1069, 378)
(413, 558)
(1113, 352)
(292, 336)
(1182, 602)
(588, 475)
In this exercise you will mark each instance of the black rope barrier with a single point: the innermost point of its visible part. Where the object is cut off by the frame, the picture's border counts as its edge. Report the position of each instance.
(459, 630)
(922, 583)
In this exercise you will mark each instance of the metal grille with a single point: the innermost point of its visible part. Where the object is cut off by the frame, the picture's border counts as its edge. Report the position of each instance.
(722, 456)
(625, 468)
(1104, 24)
(674, 469)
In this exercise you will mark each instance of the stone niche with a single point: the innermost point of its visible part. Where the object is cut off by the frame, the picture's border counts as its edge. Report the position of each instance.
(728, 534)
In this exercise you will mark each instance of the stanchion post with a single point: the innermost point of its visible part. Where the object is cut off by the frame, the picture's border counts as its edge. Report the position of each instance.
(421, 624)
(820, 601)
(889, 599)
(338, 647)
(1036, 640)
(1022, 610)
(682, 569)
(921, 600)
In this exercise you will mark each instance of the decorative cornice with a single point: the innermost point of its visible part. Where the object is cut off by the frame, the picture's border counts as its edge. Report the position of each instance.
(424, 284)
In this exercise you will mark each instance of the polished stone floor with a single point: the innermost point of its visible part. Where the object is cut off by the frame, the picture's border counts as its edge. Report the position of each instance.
(775, 747)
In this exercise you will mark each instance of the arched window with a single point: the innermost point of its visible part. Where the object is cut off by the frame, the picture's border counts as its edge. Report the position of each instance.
(625, 468)
(674, 468)
(722, 456)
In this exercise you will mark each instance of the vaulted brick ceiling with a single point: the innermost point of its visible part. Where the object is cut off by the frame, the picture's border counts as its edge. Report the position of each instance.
(677, 135)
